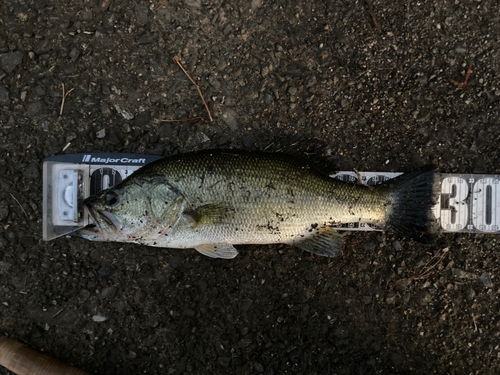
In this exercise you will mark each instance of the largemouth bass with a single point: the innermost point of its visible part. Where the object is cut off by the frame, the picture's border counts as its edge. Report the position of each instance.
(212, 200)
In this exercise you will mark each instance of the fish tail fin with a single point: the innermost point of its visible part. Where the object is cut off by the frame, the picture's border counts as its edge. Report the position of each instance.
(410, 201)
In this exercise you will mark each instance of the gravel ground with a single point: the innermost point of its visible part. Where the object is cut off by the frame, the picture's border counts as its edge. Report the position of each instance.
(371, 80)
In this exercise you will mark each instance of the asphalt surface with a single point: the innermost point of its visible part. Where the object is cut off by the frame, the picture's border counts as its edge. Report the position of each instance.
(374, 81)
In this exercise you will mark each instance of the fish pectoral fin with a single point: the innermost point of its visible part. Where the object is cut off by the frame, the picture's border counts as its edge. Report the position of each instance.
(327, 243)
(217, 250)
(210, 214)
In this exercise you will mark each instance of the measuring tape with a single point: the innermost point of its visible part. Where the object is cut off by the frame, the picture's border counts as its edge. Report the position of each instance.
(467, 202)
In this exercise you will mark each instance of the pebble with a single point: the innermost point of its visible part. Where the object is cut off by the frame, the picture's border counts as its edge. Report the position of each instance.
(32, 171)
(267, 99)
(126, 114)
(369, 246)
(101, 133)
(4, 210)
(10, 60)
(109, 292)
(4, 96)
(461, 274)
(99, 318)
(396, 245)
(470, 294)
(32, 109)
(424, 297)
(229, 117)
(248, 140)
(41, 47)
(143, 118)
(141, 14)
(485, 279)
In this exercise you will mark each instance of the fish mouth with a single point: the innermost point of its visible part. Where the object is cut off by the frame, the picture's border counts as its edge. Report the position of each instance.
(102, 220)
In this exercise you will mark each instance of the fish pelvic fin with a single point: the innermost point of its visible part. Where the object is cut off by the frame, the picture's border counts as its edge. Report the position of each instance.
(410, 201)
(217, 250)
(327, 243)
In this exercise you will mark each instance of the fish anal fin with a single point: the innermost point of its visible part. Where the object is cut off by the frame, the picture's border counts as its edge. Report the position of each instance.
(217, 250)
(327, 243)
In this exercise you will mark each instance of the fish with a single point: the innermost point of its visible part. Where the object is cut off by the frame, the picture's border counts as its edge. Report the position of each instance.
(212, 200)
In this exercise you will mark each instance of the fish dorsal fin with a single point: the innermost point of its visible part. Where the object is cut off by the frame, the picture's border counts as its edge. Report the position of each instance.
(217, 250)
(327, 243)
(210, 214)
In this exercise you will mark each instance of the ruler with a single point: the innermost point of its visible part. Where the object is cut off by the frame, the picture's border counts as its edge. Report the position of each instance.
(467, 202)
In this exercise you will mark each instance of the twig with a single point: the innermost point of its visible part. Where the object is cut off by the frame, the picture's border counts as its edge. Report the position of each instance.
(360, 181)
(161, 5)
(463, 85)
(64, 95)
(57, 313)
(178, 61)
(426, 271)
(372, 13)
(186, 119)
(66, 147)
(475, 324)
(19, 205)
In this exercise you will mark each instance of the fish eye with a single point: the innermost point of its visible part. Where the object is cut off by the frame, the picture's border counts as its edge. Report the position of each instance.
(111, 199)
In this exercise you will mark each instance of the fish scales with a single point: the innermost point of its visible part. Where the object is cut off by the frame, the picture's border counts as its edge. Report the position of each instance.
(245, 198)
(271, 198)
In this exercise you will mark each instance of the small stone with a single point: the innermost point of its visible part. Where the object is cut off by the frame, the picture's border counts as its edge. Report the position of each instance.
(229, 117)
(143, 118)
(4, 210)
(32, 171)
(33, 109)
(141, 14)
(369, 246)
(10, 60)
(470, 294)
(461, 274)
(109, 292)
(41, 47)
(396, 245)
(126, 114)
(402, 284)
(74, 54)
(267, 99)
(292, 90)
(99, 318)
(101, 133)
(258, 367)
(4, 96)
(248, 140)
(391, 298)
(424, 297)
(485, 279)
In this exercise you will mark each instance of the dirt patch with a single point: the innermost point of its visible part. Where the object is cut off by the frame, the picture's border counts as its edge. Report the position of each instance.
(272, 73)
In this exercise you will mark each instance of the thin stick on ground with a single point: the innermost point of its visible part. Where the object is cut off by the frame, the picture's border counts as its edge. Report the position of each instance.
(57, 313)
(360, 180)
(177, 60)
(372, 13)
(22, 208)
(64, 95)
(186, 119)
(463, 85)
(161, 5)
